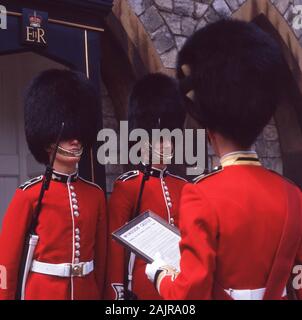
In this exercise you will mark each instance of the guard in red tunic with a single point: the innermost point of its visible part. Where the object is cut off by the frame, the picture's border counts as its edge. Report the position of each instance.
(241, 225)
(69, 259)
(155, 99)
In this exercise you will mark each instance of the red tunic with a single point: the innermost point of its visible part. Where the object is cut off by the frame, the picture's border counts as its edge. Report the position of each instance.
(161, 195)
(231, 224)
(72, 229)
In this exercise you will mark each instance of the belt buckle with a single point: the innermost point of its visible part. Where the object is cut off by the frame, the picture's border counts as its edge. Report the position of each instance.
(77, 270)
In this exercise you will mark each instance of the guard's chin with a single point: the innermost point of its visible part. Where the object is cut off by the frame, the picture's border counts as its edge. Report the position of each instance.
(70, 153)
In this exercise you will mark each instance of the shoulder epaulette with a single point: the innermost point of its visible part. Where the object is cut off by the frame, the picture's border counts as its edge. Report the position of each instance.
(30, 183)
(128, 175)
(91, 183)
(178, 177)
(285, 178)
(204, 176)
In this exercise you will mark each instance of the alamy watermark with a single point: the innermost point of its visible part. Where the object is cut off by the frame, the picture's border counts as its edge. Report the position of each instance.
(3, 17)
(3, 278)
(184, 146)
(297, 280)
(297, 19)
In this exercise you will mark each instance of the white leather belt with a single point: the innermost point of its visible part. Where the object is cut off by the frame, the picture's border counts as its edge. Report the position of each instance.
(64, 269)
(256, 294)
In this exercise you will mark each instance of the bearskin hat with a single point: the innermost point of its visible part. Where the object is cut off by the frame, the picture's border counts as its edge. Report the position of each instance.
(56, 96)
(156, 103)
(231, 71)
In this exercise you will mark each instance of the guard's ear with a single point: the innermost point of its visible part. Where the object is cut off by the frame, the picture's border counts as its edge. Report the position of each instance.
(212, 138)
(191, 95)
(186, 70)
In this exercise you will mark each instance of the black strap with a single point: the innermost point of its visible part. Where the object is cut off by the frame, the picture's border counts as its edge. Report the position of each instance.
(36, 214)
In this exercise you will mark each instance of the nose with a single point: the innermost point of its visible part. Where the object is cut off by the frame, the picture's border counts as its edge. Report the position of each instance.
(75, 142)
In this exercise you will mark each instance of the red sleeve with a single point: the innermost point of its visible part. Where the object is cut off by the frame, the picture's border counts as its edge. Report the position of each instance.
(199, 227)
(121, 206)
(12, 237)
(101, 244)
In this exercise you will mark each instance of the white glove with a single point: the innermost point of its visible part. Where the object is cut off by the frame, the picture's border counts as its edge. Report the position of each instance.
(156, 265)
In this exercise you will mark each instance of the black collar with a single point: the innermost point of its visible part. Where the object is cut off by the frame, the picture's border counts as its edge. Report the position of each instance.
(64, 178)
(155, 172)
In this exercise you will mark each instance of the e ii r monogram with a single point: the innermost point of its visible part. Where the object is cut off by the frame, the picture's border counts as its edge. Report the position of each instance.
(35, 27)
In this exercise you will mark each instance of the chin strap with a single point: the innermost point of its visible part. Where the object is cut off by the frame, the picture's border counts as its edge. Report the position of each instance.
(68, 153)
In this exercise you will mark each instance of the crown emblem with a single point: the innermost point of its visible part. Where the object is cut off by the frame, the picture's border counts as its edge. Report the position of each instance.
(35, 21)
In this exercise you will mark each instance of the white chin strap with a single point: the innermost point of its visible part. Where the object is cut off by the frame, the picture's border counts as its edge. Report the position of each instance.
(164, 156)
(158, 156)
(161, 156)
(68, 153)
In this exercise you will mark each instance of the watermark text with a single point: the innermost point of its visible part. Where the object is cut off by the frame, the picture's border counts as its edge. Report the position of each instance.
(3, 18)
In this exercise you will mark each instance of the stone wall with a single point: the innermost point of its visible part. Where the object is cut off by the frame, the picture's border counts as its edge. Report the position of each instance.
(109, 121)
(170, 22)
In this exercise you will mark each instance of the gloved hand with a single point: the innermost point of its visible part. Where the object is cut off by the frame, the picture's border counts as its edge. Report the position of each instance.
(156, 265)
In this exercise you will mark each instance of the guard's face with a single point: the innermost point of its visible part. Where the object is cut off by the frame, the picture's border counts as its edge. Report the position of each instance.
(71, 145)
(162, 152)
(71, 148)
(69, 151)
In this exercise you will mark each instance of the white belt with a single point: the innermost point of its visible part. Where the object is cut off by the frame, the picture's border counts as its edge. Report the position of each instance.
(64, 269)
(256, 294)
